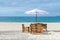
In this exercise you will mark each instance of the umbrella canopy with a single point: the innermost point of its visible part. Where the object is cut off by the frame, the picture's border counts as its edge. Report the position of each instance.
(36, 11)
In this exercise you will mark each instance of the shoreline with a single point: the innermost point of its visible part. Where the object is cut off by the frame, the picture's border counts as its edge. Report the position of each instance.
(29, 22)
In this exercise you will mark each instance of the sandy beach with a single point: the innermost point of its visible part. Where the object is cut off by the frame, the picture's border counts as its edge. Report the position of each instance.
(15, 26)
(12, 31)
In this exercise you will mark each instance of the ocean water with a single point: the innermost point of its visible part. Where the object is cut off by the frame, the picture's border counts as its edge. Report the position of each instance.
(30, 19)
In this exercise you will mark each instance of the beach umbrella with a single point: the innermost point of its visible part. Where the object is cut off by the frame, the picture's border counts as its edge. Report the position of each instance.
(36, 12)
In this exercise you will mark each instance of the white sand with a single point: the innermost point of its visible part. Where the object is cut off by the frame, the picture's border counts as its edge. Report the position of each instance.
(13, 26)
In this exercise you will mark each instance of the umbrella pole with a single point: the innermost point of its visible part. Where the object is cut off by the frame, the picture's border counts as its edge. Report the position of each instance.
(36, 18)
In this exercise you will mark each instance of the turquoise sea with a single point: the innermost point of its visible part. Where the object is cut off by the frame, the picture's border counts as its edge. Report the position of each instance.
(30, 19)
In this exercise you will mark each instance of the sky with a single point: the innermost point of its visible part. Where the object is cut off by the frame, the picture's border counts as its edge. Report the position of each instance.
(19, 7)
